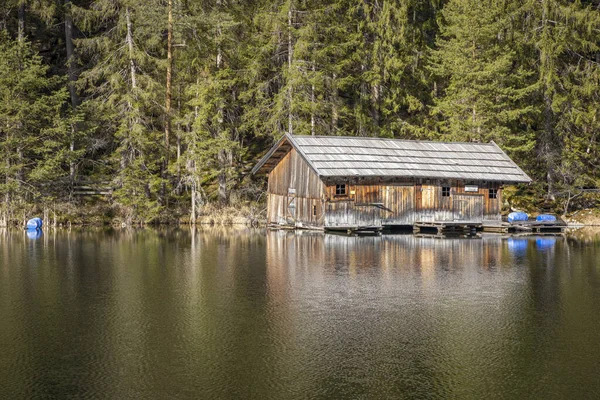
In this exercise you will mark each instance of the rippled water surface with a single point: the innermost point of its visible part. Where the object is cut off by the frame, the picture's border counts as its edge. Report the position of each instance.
(250, 314)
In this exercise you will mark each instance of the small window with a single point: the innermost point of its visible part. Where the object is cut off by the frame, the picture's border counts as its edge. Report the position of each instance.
(445, 191)
(493, 193)
(340, 190)
(314, 211)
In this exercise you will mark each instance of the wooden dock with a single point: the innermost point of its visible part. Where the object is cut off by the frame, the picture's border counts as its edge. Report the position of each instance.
(468, 228)
(447, 236)
(557, 226)
(495, 227)
(443, 227)
(355, 229)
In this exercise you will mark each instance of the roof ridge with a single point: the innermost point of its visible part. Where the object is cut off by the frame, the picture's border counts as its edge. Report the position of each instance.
(491, 143)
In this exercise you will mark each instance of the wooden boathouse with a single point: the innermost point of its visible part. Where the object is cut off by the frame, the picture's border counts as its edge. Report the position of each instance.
(358, 183)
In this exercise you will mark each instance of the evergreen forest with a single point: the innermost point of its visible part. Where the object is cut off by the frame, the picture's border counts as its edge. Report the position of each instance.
(152, 110)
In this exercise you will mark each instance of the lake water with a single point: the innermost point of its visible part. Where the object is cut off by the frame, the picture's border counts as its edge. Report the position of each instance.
(251, 314)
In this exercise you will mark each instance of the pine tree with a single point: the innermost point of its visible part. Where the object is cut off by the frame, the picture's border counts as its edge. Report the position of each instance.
(32, 127)
(562, 44)
(484, 91)
(216, 129)
(123, 88)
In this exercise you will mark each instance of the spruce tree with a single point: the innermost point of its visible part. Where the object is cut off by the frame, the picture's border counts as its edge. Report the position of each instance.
(562, 44)
(32, 128)
(484, 93)
(123, 89)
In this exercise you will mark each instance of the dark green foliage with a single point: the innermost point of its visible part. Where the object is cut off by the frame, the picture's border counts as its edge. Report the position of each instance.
(522, 73)
(33, 128)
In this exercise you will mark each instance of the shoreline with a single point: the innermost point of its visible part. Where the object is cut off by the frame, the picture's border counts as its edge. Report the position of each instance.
(245, 215)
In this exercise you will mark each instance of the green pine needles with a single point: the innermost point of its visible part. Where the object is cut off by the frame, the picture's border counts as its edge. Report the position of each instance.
(160, 107)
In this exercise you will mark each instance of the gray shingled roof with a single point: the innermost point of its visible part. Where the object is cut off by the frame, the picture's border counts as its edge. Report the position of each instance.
(343, 156)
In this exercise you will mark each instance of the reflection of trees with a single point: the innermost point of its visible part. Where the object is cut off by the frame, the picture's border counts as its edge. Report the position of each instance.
(241, 313)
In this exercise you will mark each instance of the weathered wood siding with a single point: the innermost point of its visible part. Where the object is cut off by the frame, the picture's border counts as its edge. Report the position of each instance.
(295, 193)
(355, 208)
(404, 204)
(398, 204)
(491, 207)
(467, 207)
(294, 173)
(348, 213)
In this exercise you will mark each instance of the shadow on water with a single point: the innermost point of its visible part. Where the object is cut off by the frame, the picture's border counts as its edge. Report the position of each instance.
(223, 313)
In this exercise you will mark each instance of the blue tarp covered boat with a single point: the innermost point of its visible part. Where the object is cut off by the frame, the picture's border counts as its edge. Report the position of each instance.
(34, 224)
(517, 216)
(546, 217)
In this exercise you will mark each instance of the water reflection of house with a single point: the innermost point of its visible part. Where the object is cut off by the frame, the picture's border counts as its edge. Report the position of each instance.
(341, 183)
(322, 253)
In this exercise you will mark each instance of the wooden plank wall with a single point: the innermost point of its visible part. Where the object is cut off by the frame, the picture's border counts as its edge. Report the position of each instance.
(404, 204)
(294, 173)
(491, 207)
(347, 213)
(355, 208)
(398, 204)
(467, 207)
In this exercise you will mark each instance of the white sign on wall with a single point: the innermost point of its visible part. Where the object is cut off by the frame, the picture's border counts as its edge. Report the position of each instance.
(471, 188)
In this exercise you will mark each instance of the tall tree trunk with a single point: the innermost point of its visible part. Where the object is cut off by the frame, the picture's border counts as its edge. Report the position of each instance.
(359, 103)
(72, 72)
(312, 102)
(193, 215)
(21, 22)
(129, 40)
(334, 108)
(290, 58)
(222, 155)
(21, 39)
(375, 103)
(165, 164)
(132, 70)
(169, 75)
(550, 148)
(6, 213)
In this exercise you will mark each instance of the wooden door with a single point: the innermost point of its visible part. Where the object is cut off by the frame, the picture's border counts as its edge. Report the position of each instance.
(397, 204)
(467, 208)
(428, 197)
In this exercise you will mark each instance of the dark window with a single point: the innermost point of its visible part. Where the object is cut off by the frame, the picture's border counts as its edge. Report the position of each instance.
(445, 191)
(340, 190)
(493, 193)
(315, 211)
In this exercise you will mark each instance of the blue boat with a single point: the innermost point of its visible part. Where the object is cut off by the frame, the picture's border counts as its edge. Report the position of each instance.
(546, 218)
(34, 224)
(517, 216)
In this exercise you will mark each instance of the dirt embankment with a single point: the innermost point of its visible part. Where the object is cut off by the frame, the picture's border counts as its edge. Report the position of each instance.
(588, 217)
